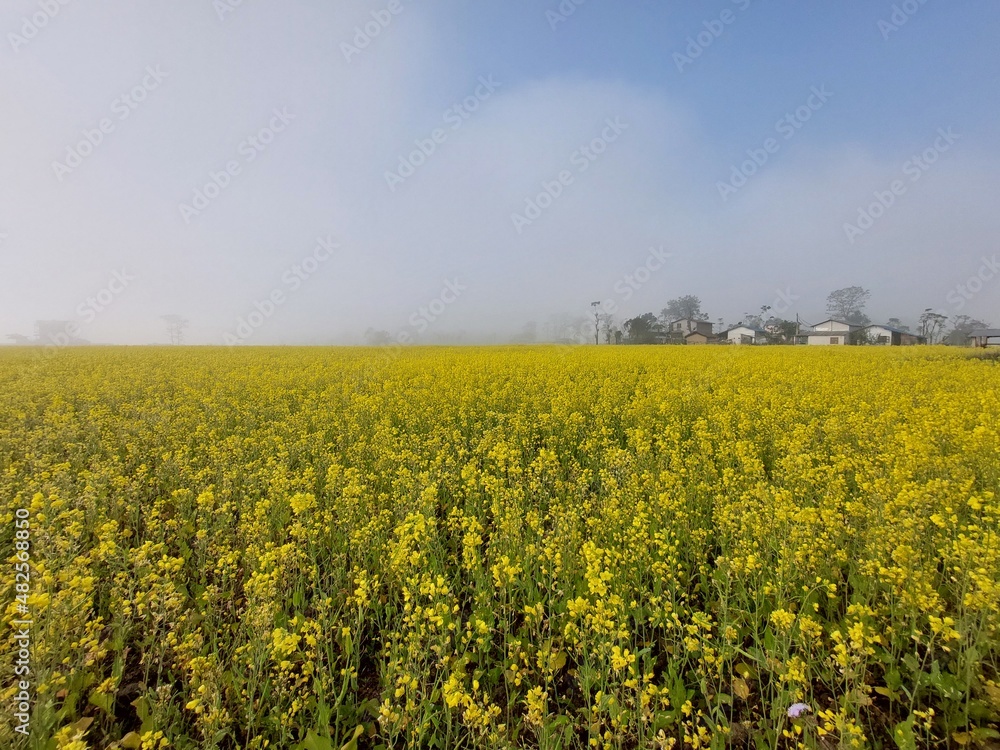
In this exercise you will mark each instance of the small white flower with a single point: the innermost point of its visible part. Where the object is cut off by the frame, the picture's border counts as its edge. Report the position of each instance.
(797, 709)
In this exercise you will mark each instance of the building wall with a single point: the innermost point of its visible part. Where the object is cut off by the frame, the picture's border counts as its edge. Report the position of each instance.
(823, 339)
(741, 336)
(690, 326)
(891, 338)
(832, 326)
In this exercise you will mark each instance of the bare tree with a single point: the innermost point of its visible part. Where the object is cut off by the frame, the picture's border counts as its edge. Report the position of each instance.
(175, 327)
(932, 324)
(684, 307)
(597, 321)
(961, 327)
(848, 305)
(608, 327)
(757, 320)
(377, 337)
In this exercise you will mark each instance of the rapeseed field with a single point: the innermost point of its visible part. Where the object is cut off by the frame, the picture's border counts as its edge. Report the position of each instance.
(540, 547)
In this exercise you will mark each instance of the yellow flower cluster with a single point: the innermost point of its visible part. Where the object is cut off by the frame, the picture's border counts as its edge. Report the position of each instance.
(601, 547)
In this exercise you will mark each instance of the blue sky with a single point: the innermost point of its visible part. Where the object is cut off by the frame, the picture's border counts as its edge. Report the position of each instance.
(675, 174)
(940, 67)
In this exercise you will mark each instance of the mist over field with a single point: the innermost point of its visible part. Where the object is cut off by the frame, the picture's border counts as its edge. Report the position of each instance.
(302, 172)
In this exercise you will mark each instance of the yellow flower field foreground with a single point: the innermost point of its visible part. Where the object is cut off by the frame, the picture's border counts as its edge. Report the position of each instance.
(615, 547)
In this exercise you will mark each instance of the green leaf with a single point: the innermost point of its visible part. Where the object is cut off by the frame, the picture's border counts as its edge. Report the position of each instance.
(131, 741)
(741, 688)
(353, 744)
(893, 680)
(141, 706)
(678, 693)
(103, 701)
(371, 707)
(662, 720)
(83, 724)
(903, 735)
(558, 661)
(314, 742)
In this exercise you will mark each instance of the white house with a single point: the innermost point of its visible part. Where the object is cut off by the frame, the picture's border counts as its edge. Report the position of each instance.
(984, 337)
(829, 333)
(684, 326)
(746, 335)
(888, 336)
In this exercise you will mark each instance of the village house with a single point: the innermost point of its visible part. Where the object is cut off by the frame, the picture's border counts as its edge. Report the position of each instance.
(684, 326)
(745, 335)
(829, 333)
(697, 337)
(983, 337)
(880, 335)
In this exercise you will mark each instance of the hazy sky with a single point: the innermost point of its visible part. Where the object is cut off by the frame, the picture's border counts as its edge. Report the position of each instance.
(479, 165)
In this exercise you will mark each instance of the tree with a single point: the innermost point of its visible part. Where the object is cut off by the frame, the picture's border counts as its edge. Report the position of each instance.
(563, 328)
(897, 323)
(175, 327)
(932, 324)
(597, 321)
(642, 329)
(961, 326)
(688, 306)
(862, 337)
(781, 331)
(375, 337)
(756, 320)
(608, 327)
(848, 305)
(528, 334)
